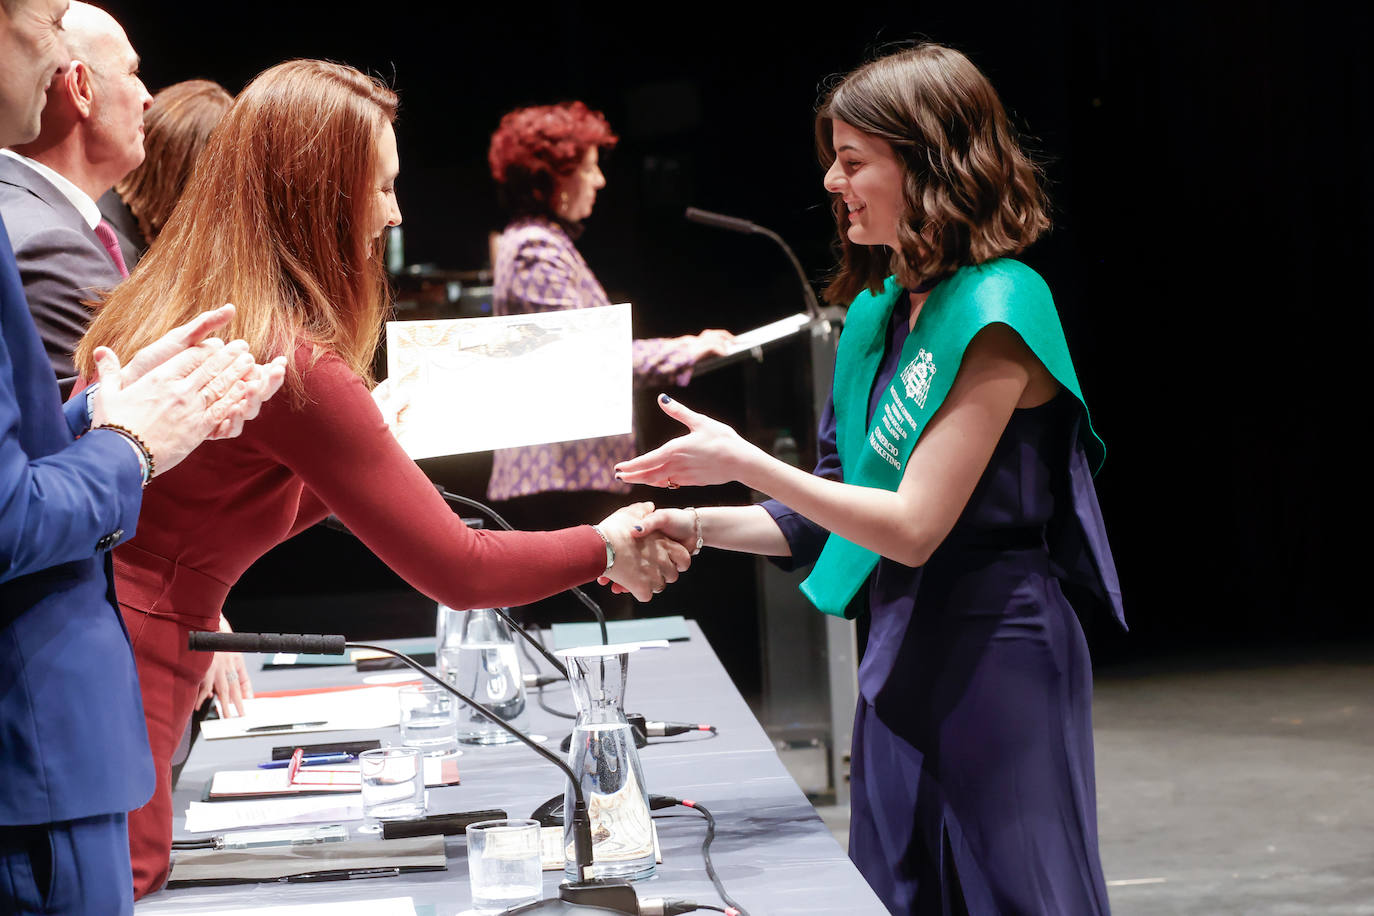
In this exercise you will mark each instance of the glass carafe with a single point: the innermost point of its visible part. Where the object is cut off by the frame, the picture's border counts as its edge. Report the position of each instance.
(448, 634)
(603, 756)
(482, 662)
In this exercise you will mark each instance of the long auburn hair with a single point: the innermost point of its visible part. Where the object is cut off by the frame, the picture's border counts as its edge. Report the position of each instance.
(176, 127)
(273, 220)
(970, 193)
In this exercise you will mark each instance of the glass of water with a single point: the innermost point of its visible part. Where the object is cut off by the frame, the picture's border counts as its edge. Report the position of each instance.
(486, 668)
(393, 785)
(427, 719)
(503, 863)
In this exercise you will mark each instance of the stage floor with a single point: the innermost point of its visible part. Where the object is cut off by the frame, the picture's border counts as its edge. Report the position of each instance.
(1240, 783)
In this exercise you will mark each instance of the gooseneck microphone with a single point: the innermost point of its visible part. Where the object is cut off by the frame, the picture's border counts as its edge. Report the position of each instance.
(745, 227)
(334, 524)
(586, 893)
(303, 644)
(580, 595)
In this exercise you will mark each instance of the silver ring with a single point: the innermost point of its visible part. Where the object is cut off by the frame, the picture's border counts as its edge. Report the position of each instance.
(232, 675)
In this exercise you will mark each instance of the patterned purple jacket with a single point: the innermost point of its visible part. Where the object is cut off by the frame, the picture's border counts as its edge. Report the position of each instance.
(538, 269)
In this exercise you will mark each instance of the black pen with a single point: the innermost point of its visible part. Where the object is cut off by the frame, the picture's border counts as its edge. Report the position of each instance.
(342, 874)
(285, 726)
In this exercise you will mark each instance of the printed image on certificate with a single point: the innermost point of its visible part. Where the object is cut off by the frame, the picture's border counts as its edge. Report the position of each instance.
(476, 384)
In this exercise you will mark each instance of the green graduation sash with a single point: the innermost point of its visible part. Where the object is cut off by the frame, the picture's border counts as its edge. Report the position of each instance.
(956, 310)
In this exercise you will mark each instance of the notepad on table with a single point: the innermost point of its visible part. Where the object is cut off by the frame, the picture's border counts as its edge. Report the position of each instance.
(368, 708)
(321, 780)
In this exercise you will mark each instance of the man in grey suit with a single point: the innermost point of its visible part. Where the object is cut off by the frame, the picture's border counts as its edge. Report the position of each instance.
(91, 137)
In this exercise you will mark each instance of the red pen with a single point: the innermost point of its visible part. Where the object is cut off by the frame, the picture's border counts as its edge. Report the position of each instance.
(294, 768)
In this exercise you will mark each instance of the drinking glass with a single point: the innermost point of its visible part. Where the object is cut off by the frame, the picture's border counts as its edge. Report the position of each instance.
(486, 668)
(427, 719)
(503, 863)
(393, 785)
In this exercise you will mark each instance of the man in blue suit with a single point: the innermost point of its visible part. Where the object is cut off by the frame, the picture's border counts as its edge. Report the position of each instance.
(73, 745)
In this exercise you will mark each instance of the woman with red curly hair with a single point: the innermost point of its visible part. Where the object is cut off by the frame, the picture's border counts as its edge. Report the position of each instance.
(545, 161)
(953, 503)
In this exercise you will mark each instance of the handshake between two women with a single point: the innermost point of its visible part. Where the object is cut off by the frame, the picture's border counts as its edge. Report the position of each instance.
(710, 453)
(644, 562)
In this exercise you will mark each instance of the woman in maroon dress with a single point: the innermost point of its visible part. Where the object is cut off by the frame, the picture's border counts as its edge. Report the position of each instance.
(284, 217)
(972, 765)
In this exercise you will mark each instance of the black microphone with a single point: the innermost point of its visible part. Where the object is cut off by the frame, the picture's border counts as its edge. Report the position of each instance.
(333, 523)
(266, 642)
(611, 894)
(735, 224)
(580, 595)
(721, 221)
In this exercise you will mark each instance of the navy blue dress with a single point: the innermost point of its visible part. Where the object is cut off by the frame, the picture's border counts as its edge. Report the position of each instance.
(972, 763)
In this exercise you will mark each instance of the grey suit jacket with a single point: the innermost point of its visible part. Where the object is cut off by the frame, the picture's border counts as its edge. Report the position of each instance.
(61, 262)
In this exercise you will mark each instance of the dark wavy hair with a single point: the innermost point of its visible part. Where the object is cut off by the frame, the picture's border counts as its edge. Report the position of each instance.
(536, 146)
(971, 194)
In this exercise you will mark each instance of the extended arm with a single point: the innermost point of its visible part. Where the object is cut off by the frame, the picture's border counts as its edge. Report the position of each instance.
(660, 361)
(546, 279)
(341, 449)
(906, 525)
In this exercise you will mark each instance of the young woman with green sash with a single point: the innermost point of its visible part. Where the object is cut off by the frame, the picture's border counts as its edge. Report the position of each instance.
(953, 503)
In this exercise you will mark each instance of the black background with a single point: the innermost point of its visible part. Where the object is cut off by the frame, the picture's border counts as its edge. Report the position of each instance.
(1210, 167)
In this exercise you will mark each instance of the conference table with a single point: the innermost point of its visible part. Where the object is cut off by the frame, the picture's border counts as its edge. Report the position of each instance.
(772, 852)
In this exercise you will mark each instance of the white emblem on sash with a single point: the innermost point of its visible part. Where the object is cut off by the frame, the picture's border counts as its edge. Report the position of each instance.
(916, 376)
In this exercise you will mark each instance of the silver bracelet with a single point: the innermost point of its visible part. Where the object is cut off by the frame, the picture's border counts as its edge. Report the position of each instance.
(610, 551)
(696, 527)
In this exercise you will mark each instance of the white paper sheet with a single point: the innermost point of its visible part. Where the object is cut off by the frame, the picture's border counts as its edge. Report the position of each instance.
(475, 384)
(216, 817)
(776, 330)
(340, 778)
(390, 906)
(366, 708)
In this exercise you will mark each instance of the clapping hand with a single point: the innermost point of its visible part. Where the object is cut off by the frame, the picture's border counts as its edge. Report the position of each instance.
(644, 565)
(710, 453)
(184, 388)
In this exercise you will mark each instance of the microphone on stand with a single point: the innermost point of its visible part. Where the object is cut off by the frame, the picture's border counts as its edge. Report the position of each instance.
(334, 524)
(745, 227)
(586, 894)
(580, 595)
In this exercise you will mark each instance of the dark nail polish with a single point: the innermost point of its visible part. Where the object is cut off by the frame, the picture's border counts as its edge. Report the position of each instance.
(665, 399)
(639, 527)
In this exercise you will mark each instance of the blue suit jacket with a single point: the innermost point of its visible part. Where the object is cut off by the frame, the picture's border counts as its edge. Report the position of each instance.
(73, 742)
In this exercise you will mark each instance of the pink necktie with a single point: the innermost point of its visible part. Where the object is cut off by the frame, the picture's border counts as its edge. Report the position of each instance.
(105, 232)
